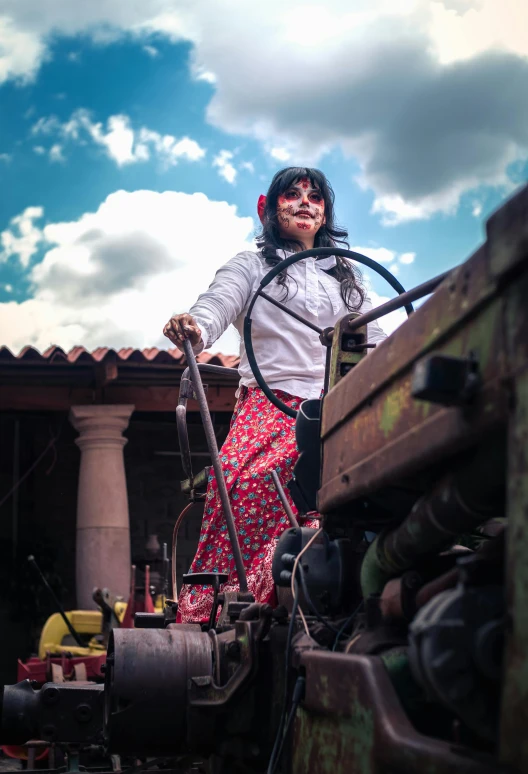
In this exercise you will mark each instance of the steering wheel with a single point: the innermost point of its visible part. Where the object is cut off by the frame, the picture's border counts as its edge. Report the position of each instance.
(318, 252)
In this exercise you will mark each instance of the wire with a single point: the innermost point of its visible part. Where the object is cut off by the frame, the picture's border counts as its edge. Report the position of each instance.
(352, 642)
(298, 696)
(295, 566)
(174, 544)
(346, 623)
(51, 444)
(277, 746)
(311, 604)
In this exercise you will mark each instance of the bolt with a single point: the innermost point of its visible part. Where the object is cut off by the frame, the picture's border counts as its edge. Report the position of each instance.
(233, 649)
(83, 713)
(51, 695)
(345, 478)
(48, 732)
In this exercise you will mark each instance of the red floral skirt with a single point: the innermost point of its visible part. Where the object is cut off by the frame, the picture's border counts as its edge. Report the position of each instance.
(261, 438)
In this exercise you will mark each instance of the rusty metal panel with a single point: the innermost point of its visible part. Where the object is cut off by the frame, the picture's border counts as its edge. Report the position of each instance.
(457, 299)
(352, 722)
(514, 715)
(392, 434)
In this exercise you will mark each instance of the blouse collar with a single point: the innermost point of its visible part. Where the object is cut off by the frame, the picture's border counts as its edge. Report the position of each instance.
(328, 262)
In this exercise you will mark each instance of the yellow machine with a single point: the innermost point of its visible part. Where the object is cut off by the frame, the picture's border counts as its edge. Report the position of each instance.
(84, 622)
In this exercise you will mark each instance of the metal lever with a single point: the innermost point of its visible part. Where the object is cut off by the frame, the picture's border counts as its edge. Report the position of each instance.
(217, 467)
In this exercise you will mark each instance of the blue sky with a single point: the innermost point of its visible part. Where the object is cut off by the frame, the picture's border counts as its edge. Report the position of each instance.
(134, 145)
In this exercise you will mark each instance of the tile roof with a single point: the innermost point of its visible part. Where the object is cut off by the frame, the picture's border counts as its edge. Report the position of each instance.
(81, 356)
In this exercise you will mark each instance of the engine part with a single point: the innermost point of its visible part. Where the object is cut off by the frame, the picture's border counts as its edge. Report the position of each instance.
(461, 501)
(456, 647)
(65, 712)
(307, 470)
(327, 567)
(146, 684)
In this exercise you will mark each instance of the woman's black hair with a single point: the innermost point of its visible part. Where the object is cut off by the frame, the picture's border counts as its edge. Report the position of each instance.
(269, 239)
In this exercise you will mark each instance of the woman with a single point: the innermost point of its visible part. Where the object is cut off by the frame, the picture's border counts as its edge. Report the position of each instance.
(297, 214)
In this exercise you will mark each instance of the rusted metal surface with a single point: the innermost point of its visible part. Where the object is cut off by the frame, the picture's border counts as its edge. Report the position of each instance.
(514, 740)
(352, 722)
(374, 432)
(341, 360)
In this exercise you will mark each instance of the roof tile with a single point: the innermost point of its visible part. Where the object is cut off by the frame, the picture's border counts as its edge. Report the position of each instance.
(80, 355)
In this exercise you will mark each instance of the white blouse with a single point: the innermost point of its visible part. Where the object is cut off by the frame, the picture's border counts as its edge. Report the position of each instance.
(289, 354)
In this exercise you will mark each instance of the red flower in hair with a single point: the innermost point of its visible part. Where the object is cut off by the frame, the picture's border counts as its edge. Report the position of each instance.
(261, 205)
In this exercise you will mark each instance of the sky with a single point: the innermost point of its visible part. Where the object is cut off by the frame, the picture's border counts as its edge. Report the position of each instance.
(136, 137)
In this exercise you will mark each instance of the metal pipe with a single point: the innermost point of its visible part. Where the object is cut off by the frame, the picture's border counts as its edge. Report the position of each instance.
(396, 303)
(291, 312)
(283, 499)
(217, 467)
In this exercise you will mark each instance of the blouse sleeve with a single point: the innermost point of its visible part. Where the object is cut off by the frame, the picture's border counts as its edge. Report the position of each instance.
(375, 334)
(225, 299)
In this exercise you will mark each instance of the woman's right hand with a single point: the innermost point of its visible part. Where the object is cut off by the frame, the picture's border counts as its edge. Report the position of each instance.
(180, 327)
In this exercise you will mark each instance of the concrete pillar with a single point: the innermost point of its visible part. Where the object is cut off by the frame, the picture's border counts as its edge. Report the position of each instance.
(103, 529)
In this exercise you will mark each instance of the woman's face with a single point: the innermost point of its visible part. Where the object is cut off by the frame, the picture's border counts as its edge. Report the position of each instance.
(300, 211)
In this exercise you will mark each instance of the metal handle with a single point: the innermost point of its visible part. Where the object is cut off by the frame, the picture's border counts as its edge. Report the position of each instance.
(215, 458)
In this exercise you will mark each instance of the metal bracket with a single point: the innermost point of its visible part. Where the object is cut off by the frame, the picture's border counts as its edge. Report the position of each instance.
(449, 381)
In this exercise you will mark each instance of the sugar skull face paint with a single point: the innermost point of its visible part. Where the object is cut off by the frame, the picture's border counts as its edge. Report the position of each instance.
(300, 212)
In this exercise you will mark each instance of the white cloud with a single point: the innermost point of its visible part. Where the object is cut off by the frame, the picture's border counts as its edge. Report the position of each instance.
(23, 237)
(390, 321)
(379, 254)
(39, 150)
(56, 154)
(280, 154)
(248, 166)
(152, 51)
(5, 157)
(8, 288)
(120, 141)
(427, 95)
(21, 50)
(407, 258)
(476, 210)
(113, 277)
(225, 167)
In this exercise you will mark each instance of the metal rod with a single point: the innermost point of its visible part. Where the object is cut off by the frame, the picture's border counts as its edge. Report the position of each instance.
(76, 637)
(291, 313)
(396, 303)
(283, 499)
(217, 467)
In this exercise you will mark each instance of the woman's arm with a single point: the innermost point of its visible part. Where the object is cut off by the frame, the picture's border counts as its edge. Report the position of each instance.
(219, 306)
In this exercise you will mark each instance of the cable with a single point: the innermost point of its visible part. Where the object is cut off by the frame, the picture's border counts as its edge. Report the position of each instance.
(294, 572)
(298, 696)
(51, 444)
(174, 544)
(344, 626)
(277, 746)
(311, 604)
